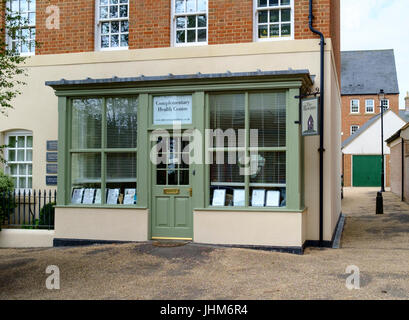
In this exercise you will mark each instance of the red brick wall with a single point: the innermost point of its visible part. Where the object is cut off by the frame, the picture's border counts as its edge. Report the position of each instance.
(230, 21)
(359, 119)
(149, 23)
(76, 33)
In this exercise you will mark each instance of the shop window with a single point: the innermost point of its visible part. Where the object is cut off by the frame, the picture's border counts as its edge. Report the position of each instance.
(189, 22)
(19, 159)
(112, 24)
(274, 19)
(252, 171)
(24, 42)
(104, 151)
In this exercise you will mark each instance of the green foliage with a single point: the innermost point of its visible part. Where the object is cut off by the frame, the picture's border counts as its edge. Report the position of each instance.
(6, 202)
(47, 214)
(6, 183)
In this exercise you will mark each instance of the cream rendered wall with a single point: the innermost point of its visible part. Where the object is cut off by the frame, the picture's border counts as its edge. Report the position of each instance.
(36, 109)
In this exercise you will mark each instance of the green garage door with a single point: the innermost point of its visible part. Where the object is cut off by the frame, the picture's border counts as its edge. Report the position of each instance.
(367, 171)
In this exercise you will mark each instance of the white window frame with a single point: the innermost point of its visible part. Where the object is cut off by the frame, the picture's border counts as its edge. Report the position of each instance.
(373, 106)
(174, 15)
(351, 104)
(386, 106)
(8, 163)
(98, 25)
(352, 129)
(10, 41)
(255, 21)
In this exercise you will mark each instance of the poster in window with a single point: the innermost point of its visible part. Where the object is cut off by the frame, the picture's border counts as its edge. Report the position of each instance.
(130, 196)
(77, 196)
(88, 196)
(273, 198)
(239, 197)
(113, 195)
(219, 197)
(309, 117)
(257, 198)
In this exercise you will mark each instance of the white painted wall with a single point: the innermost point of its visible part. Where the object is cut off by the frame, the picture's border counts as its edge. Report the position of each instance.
(369, 141)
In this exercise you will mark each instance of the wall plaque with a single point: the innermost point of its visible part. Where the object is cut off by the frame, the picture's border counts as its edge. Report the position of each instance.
(51, 180)
(52, 168)
(52, 145)
(52, 156)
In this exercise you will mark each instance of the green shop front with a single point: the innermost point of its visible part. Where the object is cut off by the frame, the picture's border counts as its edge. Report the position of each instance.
(213, 158)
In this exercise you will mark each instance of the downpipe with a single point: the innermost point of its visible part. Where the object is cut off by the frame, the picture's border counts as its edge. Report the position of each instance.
(321, 149)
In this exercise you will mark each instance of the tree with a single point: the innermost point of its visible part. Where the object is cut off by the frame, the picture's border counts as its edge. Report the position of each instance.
(12, 71)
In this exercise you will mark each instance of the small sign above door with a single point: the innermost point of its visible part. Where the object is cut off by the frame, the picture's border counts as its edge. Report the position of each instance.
(170, 109)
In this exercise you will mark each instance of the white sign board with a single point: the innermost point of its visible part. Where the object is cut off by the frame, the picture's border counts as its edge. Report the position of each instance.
(170, 109)
(309, 117)
(219, 197)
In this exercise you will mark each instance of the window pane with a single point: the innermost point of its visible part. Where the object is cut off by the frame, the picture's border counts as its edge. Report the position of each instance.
(20, 142)
(274, 16)
(286, 15)
(29, 142)
(201, 21)
(12, 155)
(228, 115)
(191, 35)
(180, 6)
(268, 116)
(201, 5)
(86, 123)
(29, 155)
(262, 32)
(12, 142)
(286, 29)
(270, 168)
(263, 17)
(20, 155)
(121, 178)
(86, 174)
(225, 168)
(122, 122)
(13, 169)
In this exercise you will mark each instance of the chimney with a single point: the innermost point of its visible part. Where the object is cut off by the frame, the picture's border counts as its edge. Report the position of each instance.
(407, 102)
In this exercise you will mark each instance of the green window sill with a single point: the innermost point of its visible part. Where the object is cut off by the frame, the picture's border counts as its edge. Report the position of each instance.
(251, 209)
(101, 206)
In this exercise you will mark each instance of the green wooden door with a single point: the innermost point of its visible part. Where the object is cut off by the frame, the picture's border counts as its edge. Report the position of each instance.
(172, 214)
(367, 171)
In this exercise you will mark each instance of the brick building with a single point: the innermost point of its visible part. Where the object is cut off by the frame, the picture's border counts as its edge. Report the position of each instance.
(100, 79)
(363, 75)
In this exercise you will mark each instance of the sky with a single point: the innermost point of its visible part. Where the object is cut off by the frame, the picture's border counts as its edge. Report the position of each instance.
(378, 24)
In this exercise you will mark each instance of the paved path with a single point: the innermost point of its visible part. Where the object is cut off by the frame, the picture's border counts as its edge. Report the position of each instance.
(378, 245)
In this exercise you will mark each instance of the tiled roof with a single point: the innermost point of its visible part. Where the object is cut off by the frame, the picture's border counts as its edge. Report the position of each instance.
(366, 72)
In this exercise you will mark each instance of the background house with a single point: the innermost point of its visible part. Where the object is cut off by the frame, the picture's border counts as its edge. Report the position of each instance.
(363, 74)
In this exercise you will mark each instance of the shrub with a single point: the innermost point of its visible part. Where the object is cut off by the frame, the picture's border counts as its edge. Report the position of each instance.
(47, 213)
(6, 187)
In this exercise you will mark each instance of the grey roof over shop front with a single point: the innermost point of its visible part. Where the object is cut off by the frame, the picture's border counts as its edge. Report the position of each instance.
(196, 76)
(366, 72)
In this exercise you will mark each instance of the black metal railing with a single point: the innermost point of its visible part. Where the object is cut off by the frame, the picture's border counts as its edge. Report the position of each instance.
(27, 209)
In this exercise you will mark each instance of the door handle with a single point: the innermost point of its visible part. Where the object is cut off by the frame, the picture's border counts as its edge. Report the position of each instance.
(190, 192)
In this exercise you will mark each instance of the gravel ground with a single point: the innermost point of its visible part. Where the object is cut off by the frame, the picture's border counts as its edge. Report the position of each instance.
(378, 245)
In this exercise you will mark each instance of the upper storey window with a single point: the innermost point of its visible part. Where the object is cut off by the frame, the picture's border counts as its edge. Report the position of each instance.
(189, 22)
(112, 24)
(274, 19)
(23, 43)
